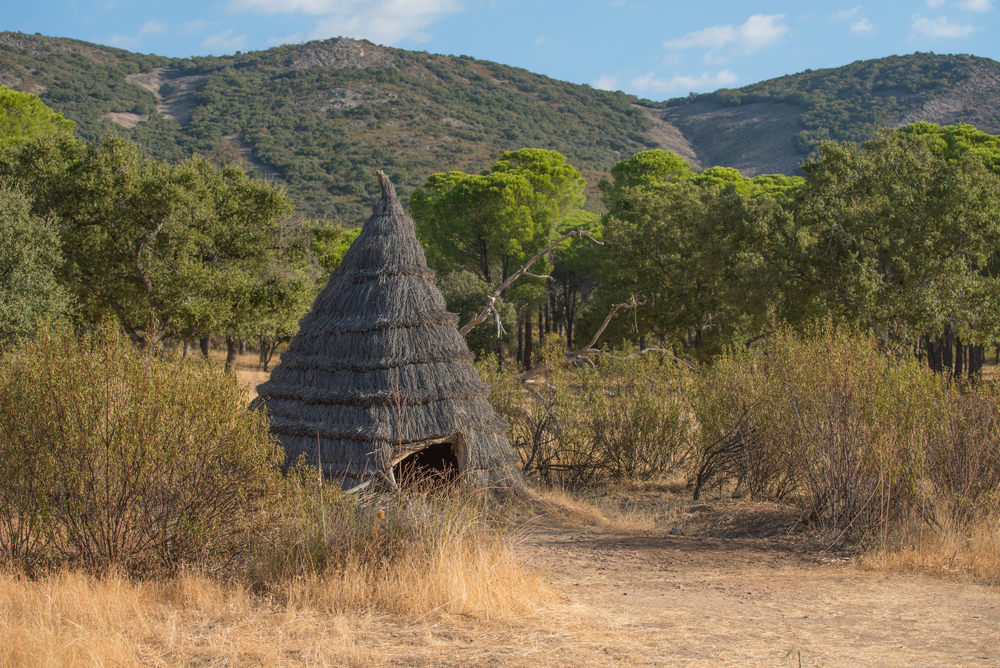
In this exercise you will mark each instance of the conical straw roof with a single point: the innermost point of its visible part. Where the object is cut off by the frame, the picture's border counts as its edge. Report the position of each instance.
(378, 369)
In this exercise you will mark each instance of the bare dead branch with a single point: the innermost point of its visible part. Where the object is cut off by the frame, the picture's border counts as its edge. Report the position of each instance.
(645, 351)
(589, 349)
(523, 271)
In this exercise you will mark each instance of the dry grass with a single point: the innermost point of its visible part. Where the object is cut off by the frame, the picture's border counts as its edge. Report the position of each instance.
(622, 505)
(74, 619)
(969, 552)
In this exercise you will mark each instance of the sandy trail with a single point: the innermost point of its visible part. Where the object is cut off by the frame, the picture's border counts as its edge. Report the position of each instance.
(691, 601)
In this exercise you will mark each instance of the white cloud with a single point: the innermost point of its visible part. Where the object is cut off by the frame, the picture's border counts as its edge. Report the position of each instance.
(606, 82)
(846, 13)
(124, 42)
(758, 31)
(935, 3)
(154, 27)
(652, 83)
(195, 26)
(381, 21)
(941, 27)
(862, 26)
(976, 5)
(224, 41)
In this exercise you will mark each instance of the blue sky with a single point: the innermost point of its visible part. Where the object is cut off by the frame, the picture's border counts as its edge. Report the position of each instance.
(656, 50)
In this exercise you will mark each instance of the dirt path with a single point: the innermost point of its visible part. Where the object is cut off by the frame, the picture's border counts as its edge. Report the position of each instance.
(664, 600)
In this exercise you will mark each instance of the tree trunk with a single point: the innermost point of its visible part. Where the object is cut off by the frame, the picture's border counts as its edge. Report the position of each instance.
(204, 344)
(541, 331)
(946, 350)
(243, 346)
(267, 347)
(232, 347)
(520, 338)
(527, 341)
(186, 350)
(959, 358)
(977, 356)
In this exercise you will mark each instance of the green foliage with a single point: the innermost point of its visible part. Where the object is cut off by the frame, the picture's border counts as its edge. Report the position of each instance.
(114, 458)
(957, 142)
(576, 264)
(465, 294)
(492, 223)
(330, 243)
(674, 238)
(29, 259)
(897, 237)
(168, 249)
(24, 117)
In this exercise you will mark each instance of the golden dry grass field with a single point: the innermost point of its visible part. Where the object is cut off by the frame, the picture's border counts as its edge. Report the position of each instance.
(595, 581)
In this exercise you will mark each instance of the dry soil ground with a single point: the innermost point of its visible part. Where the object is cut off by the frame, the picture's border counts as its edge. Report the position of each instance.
(742, 587)
(712, 599)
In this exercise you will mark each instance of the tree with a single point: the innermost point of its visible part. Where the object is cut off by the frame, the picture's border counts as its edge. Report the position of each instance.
(674, 236)
(167, 249)
(899, 237)
(490, 224)
(575, 266)
(29, 259)
(24, 117)
(481, 223)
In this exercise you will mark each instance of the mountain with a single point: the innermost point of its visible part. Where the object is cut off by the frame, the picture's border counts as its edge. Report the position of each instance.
(321, 117)
(768, 127)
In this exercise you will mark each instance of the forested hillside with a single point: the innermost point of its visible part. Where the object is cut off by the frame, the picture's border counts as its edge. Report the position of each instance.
(323, 116)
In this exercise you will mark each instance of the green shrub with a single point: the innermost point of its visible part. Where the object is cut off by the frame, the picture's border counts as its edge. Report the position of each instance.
(29, 257)
(110, 457)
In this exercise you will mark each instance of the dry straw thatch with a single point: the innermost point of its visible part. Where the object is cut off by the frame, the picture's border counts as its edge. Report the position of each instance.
(378, 372)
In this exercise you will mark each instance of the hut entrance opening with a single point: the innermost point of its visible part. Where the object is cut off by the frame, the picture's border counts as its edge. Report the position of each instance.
(438, 462)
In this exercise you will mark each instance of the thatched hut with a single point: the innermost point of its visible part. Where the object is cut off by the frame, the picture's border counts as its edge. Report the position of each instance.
(378, 377)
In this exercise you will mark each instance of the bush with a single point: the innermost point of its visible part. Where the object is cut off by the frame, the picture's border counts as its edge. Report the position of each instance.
(866, 438)
(29, 257)
(627, 416)
(110, 457)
